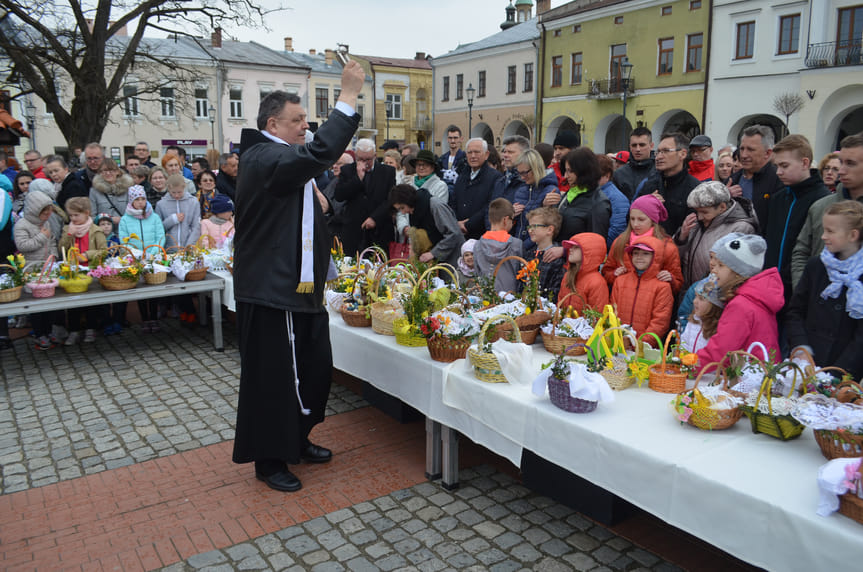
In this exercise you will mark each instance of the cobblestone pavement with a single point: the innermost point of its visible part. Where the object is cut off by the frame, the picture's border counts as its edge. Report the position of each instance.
(125, 399)
(490, 523)
(75, 411)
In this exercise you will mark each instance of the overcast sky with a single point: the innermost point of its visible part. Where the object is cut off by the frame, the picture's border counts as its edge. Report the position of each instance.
(393, 28)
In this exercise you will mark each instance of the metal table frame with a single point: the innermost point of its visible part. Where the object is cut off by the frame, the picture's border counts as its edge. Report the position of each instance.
(96, 296)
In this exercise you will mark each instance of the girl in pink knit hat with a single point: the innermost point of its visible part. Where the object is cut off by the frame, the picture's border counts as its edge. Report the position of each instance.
(645, 215)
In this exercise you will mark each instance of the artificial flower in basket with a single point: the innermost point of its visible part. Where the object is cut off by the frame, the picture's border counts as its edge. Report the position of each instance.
(710, 407)
(574, 386)
(12, 281)
(189, 264)
(116, 271)
(428, 295)
(449, 335)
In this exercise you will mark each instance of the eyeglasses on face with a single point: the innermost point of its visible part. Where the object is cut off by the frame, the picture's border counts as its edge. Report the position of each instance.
(523, 173)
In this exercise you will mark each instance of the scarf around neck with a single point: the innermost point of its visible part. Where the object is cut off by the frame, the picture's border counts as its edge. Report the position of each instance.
(80, 230)
(139, 213)
(845, 274)
(634, 237)
(573, 192)
(419, 182)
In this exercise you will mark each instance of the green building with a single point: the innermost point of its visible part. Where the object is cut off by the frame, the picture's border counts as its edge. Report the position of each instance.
(599, 57)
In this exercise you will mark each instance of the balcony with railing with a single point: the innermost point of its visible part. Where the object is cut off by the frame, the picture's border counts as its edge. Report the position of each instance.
(610, 88)
(422, 123)
(831, 54)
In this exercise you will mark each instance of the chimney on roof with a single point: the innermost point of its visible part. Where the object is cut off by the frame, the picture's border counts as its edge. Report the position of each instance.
(328, 56)
(216, 38)
(420, 56)
(289, 44)
(542, 6)
(312, 52)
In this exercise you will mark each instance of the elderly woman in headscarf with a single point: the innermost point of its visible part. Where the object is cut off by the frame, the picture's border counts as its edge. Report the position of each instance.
(716, 214)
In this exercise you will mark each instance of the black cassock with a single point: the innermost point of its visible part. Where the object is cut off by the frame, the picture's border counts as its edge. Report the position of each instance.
(267, 262)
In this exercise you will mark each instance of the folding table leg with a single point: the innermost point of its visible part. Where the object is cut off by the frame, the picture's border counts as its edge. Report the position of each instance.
(433, 449)
(449, 439)
(218, 342)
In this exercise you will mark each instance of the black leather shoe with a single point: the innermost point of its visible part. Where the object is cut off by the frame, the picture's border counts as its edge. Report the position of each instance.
(314, 454)
(285, 481)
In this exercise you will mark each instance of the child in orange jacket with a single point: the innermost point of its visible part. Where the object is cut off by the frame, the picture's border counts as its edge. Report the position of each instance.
(641, 299)
(584, 253)
(645, 216)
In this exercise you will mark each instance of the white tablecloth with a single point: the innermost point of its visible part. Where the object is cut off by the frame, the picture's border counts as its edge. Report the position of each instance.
(228, 292)
(751, 495)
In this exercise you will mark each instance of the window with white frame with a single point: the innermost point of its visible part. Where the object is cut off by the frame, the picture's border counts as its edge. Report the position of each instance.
(166, 101)
(130, 101)
(264, 91)
(235, 98)
(202, 103)
(395, 101)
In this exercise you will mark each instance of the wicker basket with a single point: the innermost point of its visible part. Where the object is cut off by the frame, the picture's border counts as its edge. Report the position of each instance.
(558, 392)
(851, 506)
(485, 365)
(447, 350)
(10, 294)
(409, 336)
(154, 278)
(617, 373)
(385, 312)
(555, 344)
(76, 285)
(117, 283)
(712, 419)
(839, 444)
(43, 289)
(783, 427)
(356, 318)
(665, 377)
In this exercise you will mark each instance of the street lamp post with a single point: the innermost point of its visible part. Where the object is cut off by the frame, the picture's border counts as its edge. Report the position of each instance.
(211, 112)
(470, 93)
(31, 122)
(389, 106)
(625, 75)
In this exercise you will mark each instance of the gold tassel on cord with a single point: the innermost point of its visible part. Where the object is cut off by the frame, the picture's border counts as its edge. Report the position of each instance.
(306, 287)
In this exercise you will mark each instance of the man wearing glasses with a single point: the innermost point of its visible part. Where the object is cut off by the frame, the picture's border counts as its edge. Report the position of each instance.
(672, 180)
(33, 161)
(364, 187)
(93, 158)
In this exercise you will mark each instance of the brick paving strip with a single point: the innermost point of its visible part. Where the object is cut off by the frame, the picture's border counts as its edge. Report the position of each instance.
(161, 511)
(116, 456)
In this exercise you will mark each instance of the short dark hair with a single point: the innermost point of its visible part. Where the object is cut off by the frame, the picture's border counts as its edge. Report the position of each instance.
(176, 149)
(640, 132)
(499, 209)
(206, 171)
(455, 128)
(204, 164)
(272, 105)
(582, 161)
(546, 151)
(681, 141)
(403, 195)
(223, 158)
(852, 141)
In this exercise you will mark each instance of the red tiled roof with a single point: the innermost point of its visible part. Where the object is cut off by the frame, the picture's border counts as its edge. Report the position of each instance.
(9, 122)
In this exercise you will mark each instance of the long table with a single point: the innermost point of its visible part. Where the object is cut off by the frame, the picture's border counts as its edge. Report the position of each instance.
(751, 495)
(96, 296)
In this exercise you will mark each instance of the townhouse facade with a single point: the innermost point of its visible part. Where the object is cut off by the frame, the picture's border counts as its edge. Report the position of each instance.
(598, 57)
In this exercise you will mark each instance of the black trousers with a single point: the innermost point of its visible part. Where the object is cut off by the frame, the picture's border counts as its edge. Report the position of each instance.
(270, 425)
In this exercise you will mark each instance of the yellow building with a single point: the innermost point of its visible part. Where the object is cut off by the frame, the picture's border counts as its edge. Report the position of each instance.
(599, 57)
(404, 87)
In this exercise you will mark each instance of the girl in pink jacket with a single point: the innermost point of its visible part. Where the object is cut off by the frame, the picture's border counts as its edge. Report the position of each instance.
(752, 298)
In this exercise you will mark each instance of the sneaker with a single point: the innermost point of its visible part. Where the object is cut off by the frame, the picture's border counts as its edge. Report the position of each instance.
(89, 336)
(23, 322)
(184, 317)
(58, 334)
(108, 330)
(155, 327)
(116, 328)
(73, 338)
(44, 343)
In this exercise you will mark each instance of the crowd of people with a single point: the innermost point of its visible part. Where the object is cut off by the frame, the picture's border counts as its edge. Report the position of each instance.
(142, 205)
(752, 243)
